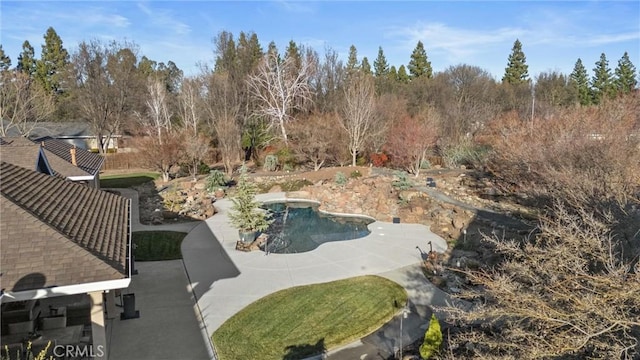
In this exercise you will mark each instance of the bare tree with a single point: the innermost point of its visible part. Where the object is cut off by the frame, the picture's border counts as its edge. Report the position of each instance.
(315, 138)
(413, 138)
(222, 106)
(158, 116)
(279, 90)
(107, 85)
(196, 150)
(161, 156)
(188, 101)
(22, 104)
(358, 112)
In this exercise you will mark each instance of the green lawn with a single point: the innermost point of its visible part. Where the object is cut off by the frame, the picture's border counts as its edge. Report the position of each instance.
(157, 245)
(127, 180)
(302, 321)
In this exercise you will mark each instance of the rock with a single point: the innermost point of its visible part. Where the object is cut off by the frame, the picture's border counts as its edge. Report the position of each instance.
(275, 188)
(199, 186)
(299, 194)
(459, 221)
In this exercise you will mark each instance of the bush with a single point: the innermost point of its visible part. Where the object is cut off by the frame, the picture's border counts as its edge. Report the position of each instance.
(361, 161)
(286, 157)
(464, 153)
(203, 169)
(341, 178)
(425, 164)
(355, 174)
(270, 163)
(216, 180)
(402, 182)
(378, 159)
(432, 339)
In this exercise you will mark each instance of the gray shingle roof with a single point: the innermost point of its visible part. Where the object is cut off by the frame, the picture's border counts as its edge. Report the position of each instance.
(66, 232)
(23, 152)
(86, 160)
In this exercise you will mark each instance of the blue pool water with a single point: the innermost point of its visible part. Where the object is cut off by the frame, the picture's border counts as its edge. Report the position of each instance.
(300, 227)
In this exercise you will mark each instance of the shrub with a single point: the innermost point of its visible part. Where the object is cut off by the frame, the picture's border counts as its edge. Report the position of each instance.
(203, 169)
(361, 161)
(341, 178)
(215, 180)
(355, 174)
(286, 157)
(425, 164)
(402, 182)
(378, 159)
(432, 339)
(464, 153)
(270, 163)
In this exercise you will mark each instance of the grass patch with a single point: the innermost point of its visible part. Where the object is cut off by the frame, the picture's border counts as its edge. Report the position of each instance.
(157, 245)
(127, 180)
(288, 185)
(303, 321)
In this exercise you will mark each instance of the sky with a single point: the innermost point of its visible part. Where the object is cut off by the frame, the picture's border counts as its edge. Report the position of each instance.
(554, 34)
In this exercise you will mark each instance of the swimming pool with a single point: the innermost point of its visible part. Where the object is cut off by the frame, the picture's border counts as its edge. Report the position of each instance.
(300, 227)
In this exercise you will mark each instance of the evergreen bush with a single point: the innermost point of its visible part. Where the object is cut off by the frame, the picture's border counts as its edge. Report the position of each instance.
(432, 339)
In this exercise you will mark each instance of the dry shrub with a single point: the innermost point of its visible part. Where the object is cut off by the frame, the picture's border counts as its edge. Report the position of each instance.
(572, 289)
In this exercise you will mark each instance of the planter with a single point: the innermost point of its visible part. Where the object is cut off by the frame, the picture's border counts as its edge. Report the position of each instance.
(247, 236)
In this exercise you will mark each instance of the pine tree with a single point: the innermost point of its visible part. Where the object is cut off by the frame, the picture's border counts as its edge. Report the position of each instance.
(580, 80)
(380, 65)
(403, 77)
(225, 53)
(393, 73)
(293, 52)
(602, 81)
(432, 339)
(272, 50)
(53, 61)
(625, 81)
(517, 70)
(352, 62)
(245, 213)
(365, 66)
(5, 61)
(26, 60)
(420, 64)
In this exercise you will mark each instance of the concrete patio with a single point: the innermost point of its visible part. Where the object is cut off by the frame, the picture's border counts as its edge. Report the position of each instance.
(220, 281)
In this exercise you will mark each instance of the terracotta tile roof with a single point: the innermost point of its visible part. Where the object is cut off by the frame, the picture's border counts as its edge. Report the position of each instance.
(55, 232)
(23, 152)
(86, 160)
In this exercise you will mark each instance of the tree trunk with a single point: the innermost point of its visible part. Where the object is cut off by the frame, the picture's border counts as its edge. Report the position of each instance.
(353, 157)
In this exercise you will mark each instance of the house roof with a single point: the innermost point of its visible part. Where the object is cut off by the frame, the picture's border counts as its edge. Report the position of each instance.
(86, 160)
(23, 152)
(55, 232)
(54, 129)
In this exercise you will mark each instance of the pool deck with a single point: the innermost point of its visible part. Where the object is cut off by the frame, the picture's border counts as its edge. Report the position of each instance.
(225, 280)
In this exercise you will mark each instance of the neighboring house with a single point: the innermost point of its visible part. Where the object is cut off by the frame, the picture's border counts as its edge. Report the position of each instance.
(88, 161)
(54, 157)
(61, 242)
(75, 133)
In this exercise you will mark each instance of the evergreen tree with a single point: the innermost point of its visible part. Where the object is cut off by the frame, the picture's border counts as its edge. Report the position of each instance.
(272, 49)
(146, 66)
(5, 61)
(365, 66)
(245, 213)
(403, 77)
(293, 52)
(352, 62)
(602, 81)
(53, 62)
(580, 80)
(380, 65)
(26, 60)
(393, 73)
(420, 64)
(517, 70)
(432, 339)
(625, 81)
(249, 53)
(225, 52)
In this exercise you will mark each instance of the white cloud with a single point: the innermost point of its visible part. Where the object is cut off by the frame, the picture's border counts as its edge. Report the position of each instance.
(456, 44)
(165, 19)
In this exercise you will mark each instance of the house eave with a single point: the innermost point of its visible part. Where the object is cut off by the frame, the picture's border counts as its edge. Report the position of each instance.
(11, 296)
(81, 178)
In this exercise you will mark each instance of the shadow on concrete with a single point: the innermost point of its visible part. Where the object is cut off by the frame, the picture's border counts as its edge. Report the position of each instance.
(206, 261)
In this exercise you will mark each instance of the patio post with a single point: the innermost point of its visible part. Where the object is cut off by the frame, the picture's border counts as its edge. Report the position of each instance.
(98, 330)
